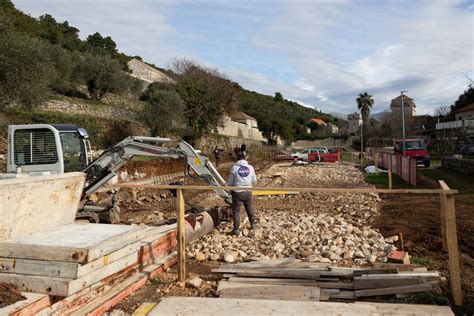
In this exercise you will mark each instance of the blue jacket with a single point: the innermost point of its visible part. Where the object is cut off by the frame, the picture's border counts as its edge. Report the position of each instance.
(241, 175)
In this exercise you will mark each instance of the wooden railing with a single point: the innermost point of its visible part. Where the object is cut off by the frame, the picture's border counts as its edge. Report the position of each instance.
(447, 214)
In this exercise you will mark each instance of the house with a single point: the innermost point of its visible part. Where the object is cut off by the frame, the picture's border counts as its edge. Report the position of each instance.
(409, 106)
(147, 73)
(241, 125)
(332, 128)
(318, 121)
(355, 121)
(465, 113)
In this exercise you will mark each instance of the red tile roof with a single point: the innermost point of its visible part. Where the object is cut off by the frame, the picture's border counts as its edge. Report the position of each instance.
(239, 116)
(318, 121)
(469, 107)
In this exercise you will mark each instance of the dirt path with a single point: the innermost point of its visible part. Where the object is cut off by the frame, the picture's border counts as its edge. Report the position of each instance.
(417, 217)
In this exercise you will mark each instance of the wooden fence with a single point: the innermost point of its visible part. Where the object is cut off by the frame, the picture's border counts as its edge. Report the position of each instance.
(404, 167)
(447, 215)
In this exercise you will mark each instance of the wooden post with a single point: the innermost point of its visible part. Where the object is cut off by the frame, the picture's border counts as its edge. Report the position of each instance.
(181, 241)
(452, 244)
(442, 216)
(376, 163)
(390, 178)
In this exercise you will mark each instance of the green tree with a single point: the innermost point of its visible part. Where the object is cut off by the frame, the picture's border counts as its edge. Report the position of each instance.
(25, 70)
(105, 43)
(163, 113)
(466, 98)
(206, 94)
(278, 97)
(365, 102)
(101, 75)
(274, 128)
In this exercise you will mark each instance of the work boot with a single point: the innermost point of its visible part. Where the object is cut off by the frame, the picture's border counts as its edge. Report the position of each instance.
(237, 233)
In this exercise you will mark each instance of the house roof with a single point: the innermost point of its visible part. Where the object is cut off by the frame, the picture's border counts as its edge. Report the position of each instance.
(469, 107)
(239, 116)
(318, 121)
(405, 97)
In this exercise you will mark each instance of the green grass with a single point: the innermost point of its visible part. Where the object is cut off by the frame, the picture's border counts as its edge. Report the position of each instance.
(437, 175)
(422, 262)
(380, 181)
(430, 298)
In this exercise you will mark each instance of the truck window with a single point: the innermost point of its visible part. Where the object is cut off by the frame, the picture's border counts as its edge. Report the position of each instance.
(34, 147)
(73, 149)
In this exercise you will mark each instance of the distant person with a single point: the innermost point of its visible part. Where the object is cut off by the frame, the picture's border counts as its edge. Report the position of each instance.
(217, 155)
(243, 149)
(242, 174)
(237, 151)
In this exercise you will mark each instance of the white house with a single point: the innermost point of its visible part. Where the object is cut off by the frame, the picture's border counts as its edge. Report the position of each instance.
(355, 121)
(240, 124)
(465, 113)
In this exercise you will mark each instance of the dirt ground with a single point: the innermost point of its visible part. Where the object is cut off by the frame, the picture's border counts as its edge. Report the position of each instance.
(9, 295)
(417, 218)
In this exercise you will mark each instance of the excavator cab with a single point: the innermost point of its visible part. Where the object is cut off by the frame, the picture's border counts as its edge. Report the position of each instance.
(41, 149)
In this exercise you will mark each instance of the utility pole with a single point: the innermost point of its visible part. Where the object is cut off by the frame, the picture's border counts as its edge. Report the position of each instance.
(362, 136)
(403, 124)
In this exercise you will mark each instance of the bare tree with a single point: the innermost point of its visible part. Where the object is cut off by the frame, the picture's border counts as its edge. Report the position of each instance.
(442, 111)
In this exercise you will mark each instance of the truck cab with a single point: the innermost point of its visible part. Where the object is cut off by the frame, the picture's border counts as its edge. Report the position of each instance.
(41, 149)
(415, 148)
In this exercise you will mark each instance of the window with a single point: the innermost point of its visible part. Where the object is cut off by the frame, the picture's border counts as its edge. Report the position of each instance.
(34, 147)
(72, 145)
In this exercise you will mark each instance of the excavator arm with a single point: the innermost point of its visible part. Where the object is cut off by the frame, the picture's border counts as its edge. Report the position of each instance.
(106, 166)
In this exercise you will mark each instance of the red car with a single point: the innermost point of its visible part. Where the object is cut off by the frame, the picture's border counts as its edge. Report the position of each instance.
(415, 148)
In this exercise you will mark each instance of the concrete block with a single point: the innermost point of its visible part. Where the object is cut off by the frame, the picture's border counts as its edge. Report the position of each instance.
(32, 204)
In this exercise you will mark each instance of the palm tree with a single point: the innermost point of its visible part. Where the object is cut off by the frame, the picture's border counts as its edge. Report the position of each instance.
(364, 104)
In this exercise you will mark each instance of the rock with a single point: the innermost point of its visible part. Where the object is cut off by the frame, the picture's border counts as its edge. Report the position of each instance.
(195, 282)
(228, 257)
(359, 254)
(334, 256)
(371, 258)
(314, 258)
(199, 256)
(279, 247)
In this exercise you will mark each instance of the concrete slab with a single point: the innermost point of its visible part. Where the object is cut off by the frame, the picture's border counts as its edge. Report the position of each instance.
(80, 243)
(32, 204)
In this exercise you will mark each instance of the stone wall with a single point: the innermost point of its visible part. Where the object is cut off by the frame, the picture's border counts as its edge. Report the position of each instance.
(236, 129)
(330, 141)
(464, 166)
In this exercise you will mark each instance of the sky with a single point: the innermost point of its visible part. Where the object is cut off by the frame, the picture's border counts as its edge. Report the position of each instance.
(320, 53)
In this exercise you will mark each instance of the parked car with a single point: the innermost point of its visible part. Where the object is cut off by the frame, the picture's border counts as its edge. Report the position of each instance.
(304, 154)
(467, 151)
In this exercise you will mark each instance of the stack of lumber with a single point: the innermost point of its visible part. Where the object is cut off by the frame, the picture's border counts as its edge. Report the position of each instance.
(293, 280)
(88, 268)
(231, 306)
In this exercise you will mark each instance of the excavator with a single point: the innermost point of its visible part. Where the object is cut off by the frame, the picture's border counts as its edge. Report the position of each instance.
(44, 149)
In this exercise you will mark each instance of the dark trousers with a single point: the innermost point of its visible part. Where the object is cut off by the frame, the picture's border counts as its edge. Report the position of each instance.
(237, 199)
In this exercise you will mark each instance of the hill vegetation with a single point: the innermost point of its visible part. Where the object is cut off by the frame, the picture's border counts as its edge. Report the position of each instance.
(41, 58)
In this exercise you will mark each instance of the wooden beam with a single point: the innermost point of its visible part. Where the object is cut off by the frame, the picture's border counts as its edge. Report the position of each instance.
(453, 251)
(181, 234)
(394, 290)
(442, 213)
(272, 292)
(322, 190)
(389, 178)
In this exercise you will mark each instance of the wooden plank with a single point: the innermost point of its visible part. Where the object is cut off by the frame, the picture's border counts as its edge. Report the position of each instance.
(394, 290)
(300, 282)
(83, 297)
(30, 306)
(80, 243)
(329, 190)
(364, 283)
(442, 216)
(272, 292)
(378, 271)
(262, 263)
(453, 251)
(144, 309)
(401, 275)
(191, 306)
(58, 269)
(343, 295)
(181, 234)
(390, 179)
(398, 266)
(107, 300)
(65, 287)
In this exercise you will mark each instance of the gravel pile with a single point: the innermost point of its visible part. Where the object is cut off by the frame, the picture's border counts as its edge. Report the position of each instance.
(314, 227)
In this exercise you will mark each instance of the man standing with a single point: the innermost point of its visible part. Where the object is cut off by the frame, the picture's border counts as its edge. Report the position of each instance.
(242, 175)
(217, 155)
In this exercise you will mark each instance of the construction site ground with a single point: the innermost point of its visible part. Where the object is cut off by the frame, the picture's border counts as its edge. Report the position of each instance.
(415, 216)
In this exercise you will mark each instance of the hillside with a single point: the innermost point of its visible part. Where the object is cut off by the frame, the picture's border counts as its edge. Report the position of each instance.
(54, 76)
